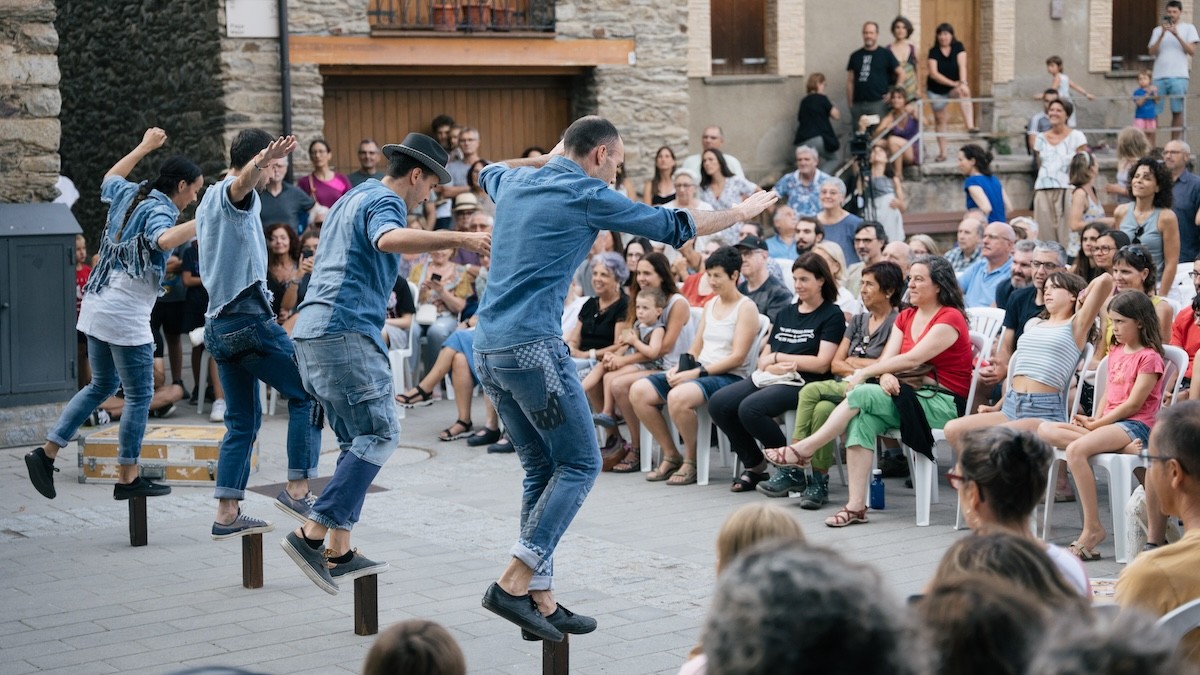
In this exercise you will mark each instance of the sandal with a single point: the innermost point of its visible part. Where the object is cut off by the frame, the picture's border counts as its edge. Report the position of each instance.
(748, 481)
(448, 434)
(787, 457)
(684, 475)
(420, 399)
(846, 517)
(939, 158)
(631, 462)
(666, 469)
(1082, 552)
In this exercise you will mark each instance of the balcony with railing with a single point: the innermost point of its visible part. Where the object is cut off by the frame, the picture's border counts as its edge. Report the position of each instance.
(480, 18)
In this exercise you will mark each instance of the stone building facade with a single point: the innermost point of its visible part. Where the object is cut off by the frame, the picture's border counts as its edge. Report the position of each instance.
(29, 101)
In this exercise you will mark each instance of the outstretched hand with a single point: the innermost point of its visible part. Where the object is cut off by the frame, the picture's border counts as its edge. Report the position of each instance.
(479, 242)
(757, 203)
(154, 138)
(279, 148)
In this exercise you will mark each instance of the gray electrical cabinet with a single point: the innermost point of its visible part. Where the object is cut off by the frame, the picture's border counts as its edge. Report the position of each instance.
(37, 304)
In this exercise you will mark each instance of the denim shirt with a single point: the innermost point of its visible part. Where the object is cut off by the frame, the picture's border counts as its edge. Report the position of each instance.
(233, 250)
(137, 252)
(546, 222)
(352, 279)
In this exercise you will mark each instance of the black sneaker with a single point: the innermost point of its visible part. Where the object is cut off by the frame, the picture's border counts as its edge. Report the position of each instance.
(785, 480)
(41, 472)
(140, 487)
(894, 466)
(521, 610)
(816, 494)
(358, 566)
(311, 561)
(164, 412)
(241, 526)
(566, 621)
(502, 446)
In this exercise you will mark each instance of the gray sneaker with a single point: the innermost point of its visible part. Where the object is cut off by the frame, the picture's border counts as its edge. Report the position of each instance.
(816, 494)
(296, 508)
(241, 526)
(358, 566)
(784, 481)
(310, 560)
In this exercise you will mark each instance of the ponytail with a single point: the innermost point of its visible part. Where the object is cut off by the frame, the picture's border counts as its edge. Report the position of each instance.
(143, 192)
(175, 169)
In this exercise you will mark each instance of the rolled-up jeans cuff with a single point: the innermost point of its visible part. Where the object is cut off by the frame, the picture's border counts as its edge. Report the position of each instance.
(57, 440)
(541, 583)
(229, 493)
(528, 556)
(127, 461)
(329, 522)
(301, 474)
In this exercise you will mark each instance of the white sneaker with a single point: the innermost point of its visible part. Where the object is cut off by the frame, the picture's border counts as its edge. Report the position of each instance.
(218, 411)
(197, 336)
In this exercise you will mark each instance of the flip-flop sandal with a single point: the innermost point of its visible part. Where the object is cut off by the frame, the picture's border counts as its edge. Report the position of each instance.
(846, 517)
(686, 475)
(671, 465)
(787, 457)
(420, 399)
(1082, 552)
(748, 481)
(448, 434)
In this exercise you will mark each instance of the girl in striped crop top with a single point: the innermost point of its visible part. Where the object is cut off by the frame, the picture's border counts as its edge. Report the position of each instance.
(1045, 358)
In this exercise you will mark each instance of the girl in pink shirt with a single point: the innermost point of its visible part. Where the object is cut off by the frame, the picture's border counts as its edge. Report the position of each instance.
(1131, 399)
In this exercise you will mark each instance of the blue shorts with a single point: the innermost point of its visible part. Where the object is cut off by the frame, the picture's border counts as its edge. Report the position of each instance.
(709, 384)
(1137, 431)
(1019, 406)
(463, 342)
(1174, 87)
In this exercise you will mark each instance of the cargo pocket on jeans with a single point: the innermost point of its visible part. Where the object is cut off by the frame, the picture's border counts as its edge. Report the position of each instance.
(373, 409)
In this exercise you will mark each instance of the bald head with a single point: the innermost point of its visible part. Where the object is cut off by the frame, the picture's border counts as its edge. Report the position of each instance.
(998, 240)
(899, 253)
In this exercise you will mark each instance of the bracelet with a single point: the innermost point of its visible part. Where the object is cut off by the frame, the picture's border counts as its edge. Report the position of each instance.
(256, 166)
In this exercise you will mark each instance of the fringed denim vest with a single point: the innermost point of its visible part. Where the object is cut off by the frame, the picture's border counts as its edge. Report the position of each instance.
(137, 252)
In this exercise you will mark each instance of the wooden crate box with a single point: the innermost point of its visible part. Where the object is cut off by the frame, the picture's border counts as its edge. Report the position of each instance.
(175, 454)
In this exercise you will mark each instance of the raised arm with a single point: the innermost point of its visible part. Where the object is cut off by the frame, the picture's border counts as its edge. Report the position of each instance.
(1092, 299)
(153, 139)
(711, 222)
(248, 175)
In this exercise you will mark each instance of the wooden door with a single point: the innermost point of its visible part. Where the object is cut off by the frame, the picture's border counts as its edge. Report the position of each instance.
(511, 113)
(963, 15)
(1133, 23)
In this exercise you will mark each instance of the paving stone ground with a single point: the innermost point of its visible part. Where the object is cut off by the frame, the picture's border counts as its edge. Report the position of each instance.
(76, 598)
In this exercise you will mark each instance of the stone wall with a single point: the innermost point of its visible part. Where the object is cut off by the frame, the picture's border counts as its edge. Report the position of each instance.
(127, 66)
(29, 101)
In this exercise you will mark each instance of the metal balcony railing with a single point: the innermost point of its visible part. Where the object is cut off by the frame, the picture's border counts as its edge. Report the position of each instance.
(470, 16)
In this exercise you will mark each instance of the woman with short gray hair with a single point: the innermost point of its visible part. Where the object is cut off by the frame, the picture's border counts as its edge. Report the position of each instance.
(594, 333)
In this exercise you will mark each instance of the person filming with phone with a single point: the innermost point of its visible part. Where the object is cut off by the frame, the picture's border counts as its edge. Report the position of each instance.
(1171, 45)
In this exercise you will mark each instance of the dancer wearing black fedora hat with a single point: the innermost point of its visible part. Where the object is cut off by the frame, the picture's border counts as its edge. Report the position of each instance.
(339, 348)
(519, 351)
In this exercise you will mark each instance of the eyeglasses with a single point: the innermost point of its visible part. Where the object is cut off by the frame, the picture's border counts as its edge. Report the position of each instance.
(956, 481)
(1051, 266)
(685, 186)
(1193, 274)
(1145, 456)
(1103, 249)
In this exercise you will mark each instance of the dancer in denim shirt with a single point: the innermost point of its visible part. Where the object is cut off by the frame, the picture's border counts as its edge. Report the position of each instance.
(549, 210)
(115, 310)
(244, 339)
(340, 351)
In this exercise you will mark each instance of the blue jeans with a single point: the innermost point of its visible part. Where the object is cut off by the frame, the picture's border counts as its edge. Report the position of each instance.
(113, 366)
(537, 393)
(350, 376)
(249, 348)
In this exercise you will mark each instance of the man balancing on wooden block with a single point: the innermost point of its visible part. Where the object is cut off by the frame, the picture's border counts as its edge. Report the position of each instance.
(248, 345)
(549, 210)
(340, 350)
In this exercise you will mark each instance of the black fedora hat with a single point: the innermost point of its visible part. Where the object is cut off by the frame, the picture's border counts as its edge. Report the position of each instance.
(425, 150)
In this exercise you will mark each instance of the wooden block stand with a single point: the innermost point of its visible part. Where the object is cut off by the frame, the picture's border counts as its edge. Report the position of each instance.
(556, 657)
(366, 605)
(252, 561)
(138, 529)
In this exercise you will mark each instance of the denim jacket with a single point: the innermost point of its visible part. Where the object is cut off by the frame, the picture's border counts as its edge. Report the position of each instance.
(546, 222)
(352, 279)
(233, 250)
(137, 252)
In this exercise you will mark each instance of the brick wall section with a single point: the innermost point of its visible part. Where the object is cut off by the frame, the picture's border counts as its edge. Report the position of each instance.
(699, 49)
(124, 69)
(29, 101)
(789, 44)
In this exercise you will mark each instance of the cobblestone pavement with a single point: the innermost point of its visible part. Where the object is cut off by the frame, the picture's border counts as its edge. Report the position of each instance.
(78, 599)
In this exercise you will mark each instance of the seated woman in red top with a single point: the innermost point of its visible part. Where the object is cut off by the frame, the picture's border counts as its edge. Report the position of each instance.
(932, 331)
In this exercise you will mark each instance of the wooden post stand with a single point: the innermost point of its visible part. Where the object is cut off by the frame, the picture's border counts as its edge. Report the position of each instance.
(556, 656)
(252, 561)
(137, 521)
(366, 605)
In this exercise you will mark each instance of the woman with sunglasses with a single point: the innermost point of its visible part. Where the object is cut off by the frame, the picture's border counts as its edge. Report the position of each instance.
(1133, 270)
(1149, 220)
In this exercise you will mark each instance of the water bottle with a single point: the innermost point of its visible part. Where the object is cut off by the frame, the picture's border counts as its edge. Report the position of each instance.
(876, 500)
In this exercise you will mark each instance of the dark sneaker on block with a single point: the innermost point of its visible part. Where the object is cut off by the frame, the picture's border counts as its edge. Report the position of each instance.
(785, 480)
(358, 566)
(566, 621)
(240, 527)
(311, 561)
(41, 472)
(521, 610)
(140, 487)
(296, 508)
(816, 494)
(163, 412)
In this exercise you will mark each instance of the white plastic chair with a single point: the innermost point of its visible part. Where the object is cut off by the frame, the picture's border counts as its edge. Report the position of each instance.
(1181, 620)
(988, 322)
(704, 420)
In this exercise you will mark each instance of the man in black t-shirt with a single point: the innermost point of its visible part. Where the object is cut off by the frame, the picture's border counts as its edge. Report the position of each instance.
(869, 73)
